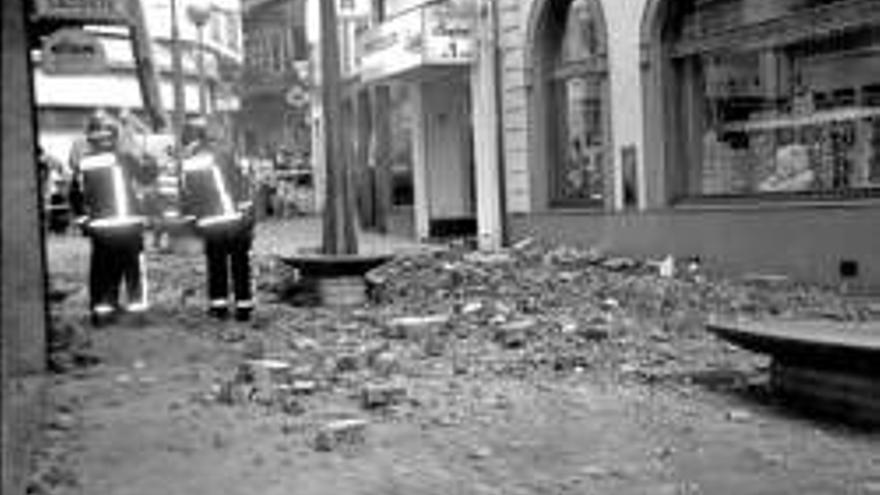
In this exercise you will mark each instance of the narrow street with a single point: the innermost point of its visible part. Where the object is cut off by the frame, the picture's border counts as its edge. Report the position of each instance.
(538, 370)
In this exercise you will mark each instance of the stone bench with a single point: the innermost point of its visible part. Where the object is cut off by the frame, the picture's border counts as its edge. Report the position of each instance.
(832, 367)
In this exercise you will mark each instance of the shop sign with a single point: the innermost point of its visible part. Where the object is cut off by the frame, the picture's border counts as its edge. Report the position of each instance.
(394, 8)
(437, 34)
(97, 11)
(73, 51)
(469, 8)
(296, 97)
(449, 35)
(392, 47)
(353, 9)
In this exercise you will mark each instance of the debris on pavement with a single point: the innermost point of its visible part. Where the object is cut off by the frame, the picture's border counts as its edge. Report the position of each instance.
(446, 330)
(340, 433)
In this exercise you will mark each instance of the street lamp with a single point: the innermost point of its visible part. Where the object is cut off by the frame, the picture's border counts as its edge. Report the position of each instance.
(199, 13)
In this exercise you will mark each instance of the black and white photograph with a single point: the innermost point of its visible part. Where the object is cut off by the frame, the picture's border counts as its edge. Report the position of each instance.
(431, 247)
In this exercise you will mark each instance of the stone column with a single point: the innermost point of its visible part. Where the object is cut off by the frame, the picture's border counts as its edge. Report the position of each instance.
(23, 337)
(484, 87)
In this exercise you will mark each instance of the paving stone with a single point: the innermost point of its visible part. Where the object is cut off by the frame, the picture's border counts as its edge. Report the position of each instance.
(385, 363)
(378, 395)
(340, 433)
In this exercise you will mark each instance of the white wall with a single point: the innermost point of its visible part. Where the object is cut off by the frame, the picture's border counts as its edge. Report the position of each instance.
(446, 123)
(114, 90)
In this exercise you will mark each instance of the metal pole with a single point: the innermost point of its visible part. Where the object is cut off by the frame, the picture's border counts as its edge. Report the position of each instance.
(338, 234)
(145, 66)
(200, 60)
(179, 102)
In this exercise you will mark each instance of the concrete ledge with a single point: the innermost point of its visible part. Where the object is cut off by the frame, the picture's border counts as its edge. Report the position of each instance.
(852, 397)
(829, 367)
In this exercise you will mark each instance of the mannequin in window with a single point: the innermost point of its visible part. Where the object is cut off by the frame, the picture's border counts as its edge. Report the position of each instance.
(575, 174)
(792, 171)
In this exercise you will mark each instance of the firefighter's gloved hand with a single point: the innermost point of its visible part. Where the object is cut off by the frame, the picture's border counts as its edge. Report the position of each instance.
(82, 223)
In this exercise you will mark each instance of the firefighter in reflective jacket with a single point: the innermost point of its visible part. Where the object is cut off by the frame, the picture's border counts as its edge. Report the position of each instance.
(215, 195)
(103, 173)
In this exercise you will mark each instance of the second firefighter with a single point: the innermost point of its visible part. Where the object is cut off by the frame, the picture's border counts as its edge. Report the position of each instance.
(215, 195)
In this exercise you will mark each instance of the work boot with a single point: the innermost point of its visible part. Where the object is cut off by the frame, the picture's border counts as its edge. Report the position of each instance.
(219, 309)
(243, 310)
(103, 314)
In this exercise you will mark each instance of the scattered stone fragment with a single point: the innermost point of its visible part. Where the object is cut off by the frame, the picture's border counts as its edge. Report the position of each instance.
(479, 257)
(62, 422)
(291, 405)
(234, 393)
(379, 395)
(303, 387)
(596, 472)
(515, 334)
(738, 416)
(523, 244)
(595, 331)
(341, 432)
(409, 326)
(434, 345)
(385, 363)
(471, 308)
(350, 362)
(480, 453)
(264, 374)
(618, 264)
(609, 304)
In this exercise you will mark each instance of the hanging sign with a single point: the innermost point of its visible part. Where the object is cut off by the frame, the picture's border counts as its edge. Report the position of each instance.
(353, 9)
(392, 47)
(95, 11)
(449, 35)
(296, 96)
(436, 34)
(73, 51)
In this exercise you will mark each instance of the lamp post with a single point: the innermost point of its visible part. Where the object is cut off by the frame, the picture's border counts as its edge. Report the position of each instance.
(339, 235)
(198, 14)
(179, 97)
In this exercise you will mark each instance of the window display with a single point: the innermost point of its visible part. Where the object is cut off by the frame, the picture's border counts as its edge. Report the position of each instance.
(578, 88)
(796, 117)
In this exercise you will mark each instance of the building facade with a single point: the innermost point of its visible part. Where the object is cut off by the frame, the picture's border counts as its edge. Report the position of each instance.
(65, 100)
(743, 132)
(414, 145)
(275, 80)
(740, 131)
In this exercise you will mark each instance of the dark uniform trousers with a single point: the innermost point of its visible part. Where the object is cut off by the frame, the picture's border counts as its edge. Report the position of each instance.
(116, 259)
(228, 250)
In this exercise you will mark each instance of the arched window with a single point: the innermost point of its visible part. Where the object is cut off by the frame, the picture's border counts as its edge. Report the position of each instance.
(575, 79)
(774, 98)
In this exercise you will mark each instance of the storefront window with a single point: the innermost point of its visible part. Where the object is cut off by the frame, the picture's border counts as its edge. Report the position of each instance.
(577, 86)
(793, 115)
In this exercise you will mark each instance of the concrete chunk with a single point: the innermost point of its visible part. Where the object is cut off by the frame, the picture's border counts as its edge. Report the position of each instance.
(339, 433)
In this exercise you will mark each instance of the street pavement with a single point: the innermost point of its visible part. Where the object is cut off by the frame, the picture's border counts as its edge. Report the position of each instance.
(532, 371)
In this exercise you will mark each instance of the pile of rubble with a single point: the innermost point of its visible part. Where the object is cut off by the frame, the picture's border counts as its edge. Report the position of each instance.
(458, 315)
